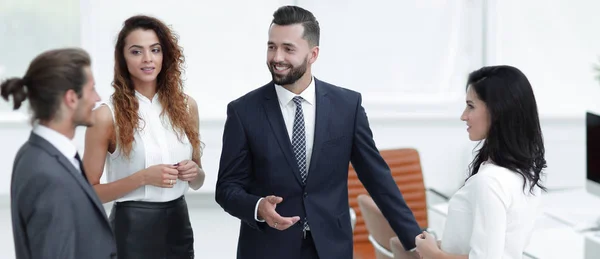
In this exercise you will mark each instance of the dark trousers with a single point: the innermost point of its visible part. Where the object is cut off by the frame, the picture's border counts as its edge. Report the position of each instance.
(153, 230)
(309, 251)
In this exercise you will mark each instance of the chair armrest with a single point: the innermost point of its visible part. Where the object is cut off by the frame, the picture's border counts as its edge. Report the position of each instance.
(380, 248)
(439, 194)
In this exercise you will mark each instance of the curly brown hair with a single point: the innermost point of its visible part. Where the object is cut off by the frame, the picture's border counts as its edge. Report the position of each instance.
(169, 86)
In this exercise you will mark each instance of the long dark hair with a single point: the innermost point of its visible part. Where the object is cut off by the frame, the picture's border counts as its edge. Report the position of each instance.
(514, 140)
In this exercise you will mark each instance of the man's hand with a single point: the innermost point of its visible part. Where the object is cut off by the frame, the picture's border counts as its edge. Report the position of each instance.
(266, 211)
(427, 246)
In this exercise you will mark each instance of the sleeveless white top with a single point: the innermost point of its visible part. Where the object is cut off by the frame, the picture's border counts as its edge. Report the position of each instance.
(155, 142)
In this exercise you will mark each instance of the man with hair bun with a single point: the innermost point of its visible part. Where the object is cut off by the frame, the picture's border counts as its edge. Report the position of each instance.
(55, 211)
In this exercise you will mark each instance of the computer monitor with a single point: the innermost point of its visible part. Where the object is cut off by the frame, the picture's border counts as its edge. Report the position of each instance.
(592, 122)
(578, 207)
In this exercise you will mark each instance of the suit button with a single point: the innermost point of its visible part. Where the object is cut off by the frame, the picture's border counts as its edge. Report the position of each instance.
(305, 194)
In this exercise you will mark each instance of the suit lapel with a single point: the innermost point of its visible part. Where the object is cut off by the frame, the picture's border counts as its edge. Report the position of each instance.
(87, 188)
(323, 108)
(273, 111)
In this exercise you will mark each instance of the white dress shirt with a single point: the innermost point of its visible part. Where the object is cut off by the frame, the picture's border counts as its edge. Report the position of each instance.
(288, 110)
(64, 145)
(491, 216)
(156, 142)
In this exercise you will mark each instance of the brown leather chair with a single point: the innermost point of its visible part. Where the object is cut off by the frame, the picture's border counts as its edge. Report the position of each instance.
(405, 166)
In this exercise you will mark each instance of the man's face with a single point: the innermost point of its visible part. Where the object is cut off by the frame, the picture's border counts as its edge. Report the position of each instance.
(87, 101)
(289, 55)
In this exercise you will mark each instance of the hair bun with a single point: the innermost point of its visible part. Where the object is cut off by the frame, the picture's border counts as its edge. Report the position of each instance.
(16, 87)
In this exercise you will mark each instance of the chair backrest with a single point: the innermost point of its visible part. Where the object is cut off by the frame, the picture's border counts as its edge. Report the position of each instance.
(397, 249)
(377, 226)
(405, 166)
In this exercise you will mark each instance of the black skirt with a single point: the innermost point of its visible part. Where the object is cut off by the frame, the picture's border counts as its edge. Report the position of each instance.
(148, 230)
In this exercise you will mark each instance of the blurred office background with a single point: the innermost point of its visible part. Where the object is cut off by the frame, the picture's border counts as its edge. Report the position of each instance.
(408, 58)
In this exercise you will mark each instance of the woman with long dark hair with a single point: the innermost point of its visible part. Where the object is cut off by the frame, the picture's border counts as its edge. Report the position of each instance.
(146, 139)
(493, 214)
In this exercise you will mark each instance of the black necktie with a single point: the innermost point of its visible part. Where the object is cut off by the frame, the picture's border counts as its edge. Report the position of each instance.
(80, 165)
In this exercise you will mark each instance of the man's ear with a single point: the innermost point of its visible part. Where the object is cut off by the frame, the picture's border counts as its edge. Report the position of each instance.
(314, 54)
(71, 99)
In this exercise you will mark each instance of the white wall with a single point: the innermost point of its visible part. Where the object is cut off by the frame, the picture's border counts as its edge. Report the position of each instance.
(410, 72)
(413, 97)
(383, 57)
(381, 48)
(23, 23)
(406, 56)
(224, 44)
(555, 43)
(399, 65)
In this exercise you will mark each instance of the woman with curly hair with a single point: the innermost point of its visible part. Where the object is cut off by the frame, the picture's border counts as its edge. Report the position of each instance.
(146, 140)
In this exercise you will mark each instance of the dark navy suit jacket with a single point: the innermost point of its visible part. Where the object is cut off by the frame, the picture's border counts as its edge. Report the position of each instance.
(257, 160)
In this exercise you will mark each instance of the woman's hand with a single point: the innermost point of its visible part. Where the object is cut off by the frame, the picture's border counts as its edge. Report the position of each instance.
(164, 176)
(188, 170)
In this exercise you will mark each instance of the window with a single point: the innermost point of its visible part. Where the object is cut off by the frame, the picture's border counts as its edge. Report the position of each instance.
(401, 55)
(224, 44)
(29, 27)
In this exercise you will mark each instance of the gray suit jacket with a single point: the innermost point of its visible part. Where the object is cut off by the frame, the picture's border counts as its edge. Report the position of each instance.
(55, 211)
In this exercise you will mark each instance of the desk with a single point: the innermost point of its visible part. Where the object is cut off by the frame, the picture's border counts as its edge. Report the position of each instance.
(551, 237)
(574, 207)
(563, 242)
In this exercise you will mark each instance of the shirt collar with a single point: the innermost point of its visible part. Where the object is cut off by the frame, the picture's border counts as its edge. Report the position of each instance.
(145, 99)
(58, 140)
(285, 96)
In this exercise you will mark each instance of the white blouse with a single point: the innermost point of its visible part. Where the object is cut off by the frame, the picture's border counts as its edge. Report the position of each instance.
(491, 216)
(154, 143)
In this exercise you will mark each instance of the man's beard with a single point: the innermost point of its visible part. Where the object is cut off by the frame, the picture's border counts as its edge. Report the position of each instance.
(292, 76)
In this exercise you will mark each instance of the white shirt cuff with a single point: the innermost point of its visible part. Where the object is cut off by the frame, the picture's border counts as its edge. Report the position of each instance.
(256, 211)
